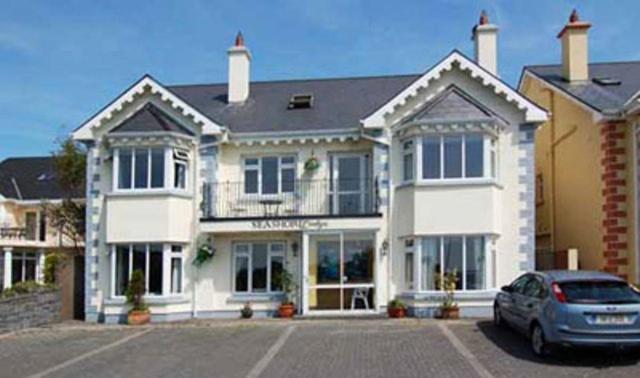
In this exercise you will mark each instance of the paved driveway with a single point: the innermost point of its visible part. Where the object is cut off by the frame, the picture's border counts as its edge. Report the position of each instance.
(309, 348)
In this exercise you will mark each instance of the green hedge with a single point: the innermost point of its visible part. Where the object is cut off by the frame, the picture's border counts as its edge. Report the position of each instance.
(27, 287)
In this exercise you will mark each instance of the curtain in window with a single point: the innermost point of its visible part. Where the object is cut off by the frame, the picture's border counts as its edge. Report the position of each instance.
(475, 259)
(430, 264)
(453, 258)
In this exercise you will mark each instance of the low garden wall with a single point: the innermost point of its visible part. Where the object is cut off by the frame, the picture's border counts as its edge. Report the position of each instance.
(35, 308)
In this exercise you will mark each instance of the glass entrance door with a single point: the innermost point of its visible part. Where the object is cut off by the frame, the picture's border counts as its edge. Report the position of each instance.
(350, 184)
(341, 272)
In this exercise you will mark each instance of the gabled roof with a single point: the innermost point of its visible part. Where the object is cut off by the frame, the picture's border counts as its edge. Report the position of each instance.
(30, 178)
(209, 126)
(338, 104)
(601, 98)
(452, 104)
(533, 113)
(150, 118)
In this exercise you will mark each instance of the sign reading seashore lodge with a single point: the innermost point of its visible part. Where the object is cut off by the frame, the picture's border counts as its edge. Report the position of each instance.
(287, 224)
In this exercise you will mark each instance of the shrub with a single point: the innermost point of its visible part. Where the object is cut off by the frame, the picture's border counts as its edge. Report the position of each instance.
(135, 291)
(26, 287)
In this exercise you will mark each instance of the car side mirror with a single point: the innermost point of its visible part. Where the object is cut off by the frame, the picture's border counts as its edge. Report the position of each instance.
(507, 289)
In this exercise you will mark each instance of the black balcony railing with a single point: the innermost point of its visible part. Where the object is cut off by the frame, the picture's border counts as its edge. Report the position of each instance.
(343, 197)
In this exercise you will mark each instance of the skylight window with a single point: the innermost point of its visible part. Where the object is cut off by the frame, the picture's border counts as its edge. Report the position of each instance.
(301, 101)
(606, 81)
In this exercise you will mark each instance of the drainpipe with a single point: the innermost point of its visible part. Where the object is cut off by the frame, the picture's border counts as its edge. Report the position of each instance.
(552, 169)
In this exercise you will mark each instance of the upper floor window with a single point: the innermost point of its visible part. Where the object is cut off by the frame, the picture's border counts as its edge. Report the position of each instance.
(143, 168)
(450, 157)
(269, 175)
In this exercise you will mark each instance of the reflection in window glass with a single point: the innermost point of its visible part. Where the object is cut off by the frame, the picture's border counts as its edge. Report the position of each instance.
(430, 264)
(408, 270)
(475, 261)
(122, 269)
(269, 175)
(157, 167)
(277, 267)
(124, 169)
(453, 258)
(474, 156)
(242, 276)
(431, 157)
(139, 257)
(453, 156)
(155, 269)
(141, 168)
(176, 275)
(259, 267)
(358, 261)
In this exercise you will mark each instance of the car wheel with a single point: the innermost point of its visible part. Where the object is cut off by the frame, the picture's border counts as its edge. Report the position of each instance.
(498, 321)
(539, 344)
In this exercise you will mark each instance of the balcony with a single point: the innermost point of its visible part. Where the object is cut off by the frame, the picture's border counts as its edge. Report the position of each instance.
(343, 197)
(13, 233)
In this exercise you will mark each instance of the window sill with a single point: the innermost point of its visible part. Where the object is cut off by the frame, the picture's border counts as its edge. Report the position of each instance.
(154, 300)
(437, 296)
(255, 298)
(451, 183)
(151, 193)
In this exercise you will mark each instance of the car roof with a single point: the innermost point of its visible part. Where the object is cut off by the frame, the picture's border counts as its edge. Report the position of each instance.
(579, 275)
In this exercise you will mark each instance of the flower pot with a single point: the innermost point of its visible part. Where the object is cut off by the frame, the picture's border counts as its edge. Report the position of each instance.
(139, 317)
(286, 310)
(450, 313)
(396, 312)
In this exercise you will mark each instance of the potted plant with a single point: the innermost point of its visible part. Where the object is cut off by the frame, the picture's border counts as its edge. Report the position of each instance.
(287, 308)
(246, 312)
(449, 308)
(396, 309)
(312, 164)
(139, 313)
(204, 253)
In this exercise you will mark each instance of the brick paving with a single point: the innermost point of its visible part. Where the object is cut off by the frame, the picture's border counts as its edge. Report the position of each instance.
(326, 348)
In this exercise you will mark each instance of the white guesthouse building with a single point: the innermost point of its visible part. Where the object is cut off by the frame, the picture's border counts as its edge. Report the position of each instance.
(364, 189)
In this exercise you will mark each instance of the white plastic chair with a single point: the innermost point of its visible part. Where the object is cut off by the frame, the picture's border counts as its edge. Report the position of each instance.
(362, 294)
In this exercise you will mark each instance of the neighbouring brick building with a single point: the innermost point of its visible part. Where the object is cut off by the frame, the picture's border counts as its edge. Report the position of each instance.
(587, 155)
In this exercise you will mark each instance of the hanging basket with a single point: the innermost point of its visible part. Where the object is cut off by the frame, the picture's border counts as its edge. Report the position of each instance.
(312, 164)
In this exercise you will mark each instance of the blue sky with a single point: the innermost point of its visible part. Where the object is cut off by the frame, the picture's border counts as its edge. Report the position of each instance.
(62, 61)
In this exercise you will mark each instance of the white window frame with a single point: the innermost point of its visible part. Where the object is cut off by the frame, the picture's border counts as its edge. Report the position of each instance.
(293, 165)
(249, 255)
(488, 268)
(179, 157)
(409, 150)
(489, 150)
(167, 255)
(171, 157)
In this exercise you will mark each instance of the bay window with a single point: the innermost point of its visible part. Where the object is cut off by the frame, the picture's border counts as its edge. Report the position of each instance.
(150, 168)
(466, 257)
(441, 157)
(258, 267)
(160, 264)
(269, 175)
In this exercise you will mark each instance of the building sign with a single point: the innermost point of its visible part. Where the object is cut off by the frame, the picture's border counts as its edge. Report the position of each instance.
(288, 224)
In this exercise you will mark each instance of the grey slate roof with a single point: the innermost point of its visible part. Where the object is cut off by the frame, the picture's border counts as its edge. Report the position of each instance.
(453, 104)
(338, 104)
(150, 118)
(34, 177)
(603, 98)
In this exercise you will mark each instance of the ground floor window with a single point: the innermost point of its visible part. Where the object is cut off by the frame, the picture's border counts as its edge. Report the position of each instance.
(258, 266)
(463, 256)
(23, 267)
(161, 265)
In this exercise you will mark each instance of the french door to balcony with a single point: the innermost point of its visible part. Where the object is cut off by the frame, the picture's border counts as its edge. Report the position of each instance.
(350, 186)
(340, 272)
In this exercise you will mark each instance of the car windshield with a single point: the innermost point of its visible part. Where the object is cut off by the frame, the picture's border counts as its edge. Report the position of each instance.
(603, 292)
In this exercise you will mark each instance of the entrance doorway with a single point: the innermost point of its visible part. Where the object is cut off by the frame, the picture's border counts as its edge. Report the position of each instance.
(340, 272)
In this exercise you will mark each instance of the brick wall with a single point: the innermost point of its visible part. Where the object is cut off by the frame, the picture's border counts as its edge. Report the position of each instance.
(614, 192)
(30, 310)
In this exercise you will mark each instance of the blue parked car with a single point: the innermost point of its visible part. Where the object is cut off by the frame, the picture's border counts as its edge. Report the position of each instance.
(571, 308)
